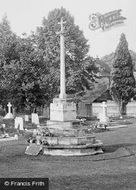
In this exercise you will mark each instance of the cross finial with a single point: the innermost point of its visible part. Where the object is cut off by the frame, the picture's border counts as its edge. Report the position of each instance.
(62, 25)
(9, 104)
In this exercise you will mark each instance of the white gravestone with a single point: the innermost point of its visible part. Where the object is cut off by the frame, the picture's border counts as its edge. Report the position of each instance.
(16, 136)
(35, 118)
(19, 123)
(26, 118)
(9, 115)
(103, 116)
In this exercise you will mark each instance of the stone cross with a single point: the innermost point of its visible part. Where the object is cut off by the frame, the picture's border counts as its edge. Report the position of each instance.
(62, 62)
(9, 107)
(9, 115)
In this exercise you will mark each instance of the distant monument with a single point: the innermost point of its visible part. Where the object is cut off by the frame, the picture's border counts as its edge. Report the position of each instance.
(9, 115)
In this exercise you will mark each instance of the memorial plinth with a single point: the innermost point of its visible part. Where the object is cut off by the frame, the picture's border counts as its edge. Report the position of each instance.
(62, 116)
(62, 110)
(69, 137)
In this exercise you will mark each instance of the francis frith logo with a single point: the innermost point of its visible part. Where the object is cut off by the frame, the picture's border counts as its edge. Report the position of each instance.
(105, 21)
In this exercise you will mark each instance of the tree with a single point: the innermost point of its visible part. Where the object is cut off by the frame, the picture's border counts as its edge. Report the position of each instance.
(21, 66)
(79, 66)
(26, 83)
(8, 41)
(8, 55)
(123, 82)
(30, 66)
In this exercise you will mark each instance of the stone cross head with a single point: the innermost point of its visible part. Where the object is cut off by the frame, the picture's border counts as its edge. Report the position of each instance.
(9, 105)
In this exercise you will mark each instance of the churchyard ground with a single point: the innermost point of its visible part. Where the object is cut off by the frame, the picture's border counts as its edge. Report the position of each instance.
(115, 169)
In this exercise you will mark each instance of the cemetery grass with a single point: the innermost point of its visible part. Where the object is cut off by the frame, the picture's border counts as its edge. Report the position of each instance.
(115, 169)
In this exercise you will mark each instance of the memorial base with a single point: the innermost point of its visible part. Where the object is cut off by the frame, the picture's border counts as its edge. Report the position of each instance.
(62, 110)
(66, 136)
(9, 116)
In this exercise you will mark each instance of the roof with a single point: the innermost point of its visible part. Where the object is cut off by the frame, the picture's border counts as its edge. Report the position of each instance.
(99, 88)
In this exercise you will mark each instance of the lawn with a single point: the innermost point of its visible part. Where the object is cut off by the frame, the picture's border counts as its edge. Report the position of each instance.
(115, 169)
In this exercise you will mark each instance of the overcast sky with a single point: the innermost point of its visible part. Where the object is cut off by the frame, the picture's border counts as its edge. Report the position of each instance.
(26, 15)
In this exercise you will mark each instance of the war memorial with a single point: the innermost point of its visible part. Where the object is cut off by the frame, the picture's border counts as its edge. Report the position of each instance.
(68, 137)
(67, 120)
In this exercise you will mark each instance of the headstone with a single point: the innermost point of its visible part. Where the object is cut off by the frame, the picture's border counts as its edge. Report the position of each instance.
(16, 136)
(9, 115)
(26, 118)
(33, 149)
(103, 118)
(19, 123)
(35, 118)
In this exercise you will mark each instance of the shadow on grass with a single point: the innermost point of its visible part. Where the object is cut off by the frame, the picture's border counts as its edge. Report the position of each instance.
(113, 148)
(11, 151)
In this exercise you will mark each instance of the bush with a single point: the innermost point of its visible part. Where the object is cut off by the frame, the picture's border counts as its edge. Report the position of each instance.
(8, 122)
(2, 112)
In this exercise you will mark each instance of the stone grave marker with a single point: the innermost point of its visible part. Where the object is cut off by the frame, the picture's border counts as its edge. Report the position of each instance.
(33, 149)
(35, 118)
(26, 118)
(19, 123)
(103, 118)
(9, 115)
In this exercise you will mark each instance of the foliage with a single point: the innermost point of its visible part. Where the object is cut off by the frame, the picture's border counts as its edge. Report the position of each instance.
(20, 70)
(8, 54)
(109, 59)
(123, 82)
(80, 67)
(30, 66)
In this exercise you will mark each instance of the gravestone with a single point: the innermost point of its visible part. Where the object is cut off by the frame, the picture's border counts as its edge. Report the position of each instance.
(26, 118)
(19, 123)
(16, 136)
(35, 118)
(33, 149)
(103, 118)
(9, 115)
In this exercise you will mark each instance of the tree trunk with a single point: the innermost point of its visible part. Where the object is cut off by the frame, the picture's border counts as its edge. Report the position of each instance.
(120, 112)
(122, 108)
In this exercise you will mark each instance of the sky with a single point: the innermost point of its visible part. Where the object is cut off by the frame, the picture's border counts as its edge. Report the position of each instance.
(25, 15)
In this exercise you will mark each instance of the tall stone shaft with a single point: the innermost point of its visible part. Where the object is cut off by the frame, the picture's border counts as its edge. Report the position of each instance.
(62, 63)
(62, 109)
